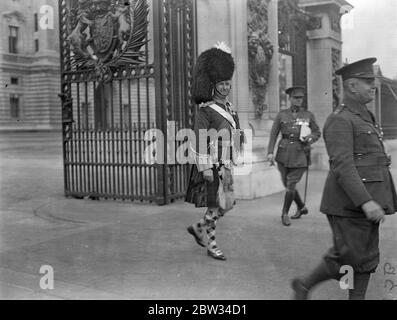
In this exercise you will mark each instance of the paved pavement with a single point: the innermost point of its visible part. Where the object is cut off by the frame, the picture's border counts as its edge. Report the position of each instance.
(126, 250)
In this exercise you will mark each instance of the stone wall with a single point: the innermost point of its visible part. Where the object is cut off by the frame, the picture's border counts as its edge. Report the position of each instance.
(37, 72)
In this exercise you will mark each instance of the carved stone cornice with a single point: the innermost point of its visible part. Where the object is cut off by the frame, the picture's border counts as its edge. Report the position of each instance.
(18, 15)
(314, 23)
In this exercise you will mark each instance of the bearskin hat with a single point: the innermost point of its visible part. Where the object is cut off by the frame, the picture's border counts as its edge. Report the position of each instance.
(212, 66)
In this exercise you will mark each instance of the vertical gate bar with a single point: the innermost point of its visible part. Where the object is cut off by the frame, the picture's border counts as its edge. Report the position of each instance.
(139, 132)
(88, 151)
(92, 162)
(130, 175)
(151, 173)
(78, 146)
(184, 48)
(187, 35)
(121, 139)
(68, 153)
(116, 161)
(143, 168)
(65, 141)
(109, 161)
(158, 39)
(75, 160)
(97, 148)
(182, 52)
(136, 160)
(71, 156)
(97, 157)
(148, 71)
(121, 142)
(79, 139)
(125, 164)
(172, 64)
(105, 160)
(116, 156)
(113, 182)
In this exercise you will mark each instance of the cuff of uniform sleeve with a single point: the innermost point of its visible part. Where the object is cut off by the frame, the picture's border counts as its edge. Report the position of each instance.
(358, 204)
(359, 197)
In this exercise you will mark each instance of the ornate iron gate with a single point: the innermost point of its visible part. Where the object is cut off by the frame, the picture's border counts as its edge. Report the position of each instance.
(116, 83)
(176, 51)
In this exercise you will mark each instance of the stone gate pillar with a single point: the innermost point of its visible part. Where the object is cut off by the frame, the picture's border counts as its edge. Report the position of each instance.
(323, 58)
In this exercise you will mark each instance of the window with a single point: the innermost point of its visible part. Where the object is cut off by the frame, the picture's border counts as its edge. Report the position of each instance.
(36, 22)
(14, 106)
(36, 45)
(13, 39)
(14, 80)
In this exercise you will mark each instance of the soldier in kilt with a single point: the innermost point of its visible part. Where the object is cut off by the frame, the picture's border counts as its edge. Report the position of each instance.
(218, 137)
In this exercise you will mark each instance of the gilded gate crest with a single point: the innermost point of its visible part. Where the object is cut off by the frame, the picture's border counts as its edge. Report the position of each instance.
(106, 33)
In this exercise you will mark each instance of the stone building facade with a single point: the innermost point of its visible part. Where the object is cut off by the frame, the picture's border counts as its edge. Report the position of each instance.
(29, 65)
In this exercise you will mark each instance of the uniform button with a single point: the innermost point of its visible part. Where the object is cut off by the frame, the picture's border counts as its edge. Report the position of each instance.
(369, 132)
(363, 179)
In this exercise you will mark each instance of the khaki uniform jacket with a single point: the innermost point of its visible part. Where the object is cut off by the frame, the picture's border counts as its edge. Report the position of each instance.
(359, 169)
(291, 152)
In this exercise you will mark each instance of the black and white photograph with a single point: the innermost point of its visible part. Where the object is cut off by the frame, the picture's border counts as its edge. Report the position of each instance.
(211, 152)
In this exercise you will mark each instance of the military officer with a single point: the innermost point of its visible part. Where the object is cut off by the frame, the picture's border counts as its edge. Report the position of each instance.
(359, 189)
(299, 130)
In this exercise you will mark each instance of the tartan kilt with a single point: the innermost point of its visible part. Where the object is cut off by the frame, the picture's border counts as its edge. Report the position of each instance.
(200, 192)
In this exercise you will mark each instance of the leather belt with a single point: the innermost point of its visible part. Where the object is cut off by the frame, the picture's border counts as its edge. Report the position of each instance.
(290, 137)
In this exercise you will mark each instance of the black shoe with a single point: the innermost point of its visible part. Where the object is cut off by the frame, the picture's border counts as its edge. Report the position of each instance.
(197, 236)
(300, 212)
(285, 220)
(216, 254)
(300, 292)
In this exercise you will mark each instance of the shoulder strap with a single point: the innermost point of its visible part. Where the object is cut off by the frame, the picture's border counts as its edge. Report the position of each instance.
(224, 114)
(339, 109)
